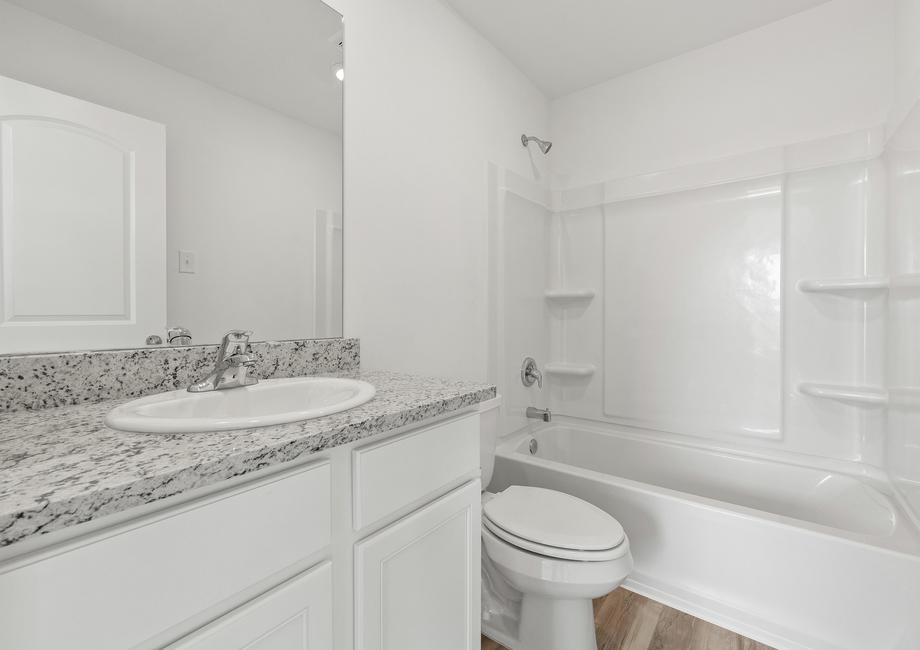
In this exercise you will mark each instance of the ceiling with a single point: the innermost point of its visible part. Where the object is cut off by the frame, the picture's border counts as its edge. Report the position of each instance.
(277, 53)
(567, 45)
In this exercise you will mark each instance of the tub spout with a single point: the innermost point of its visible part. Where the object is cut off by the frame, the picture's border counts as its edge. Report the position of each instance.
(539, 414)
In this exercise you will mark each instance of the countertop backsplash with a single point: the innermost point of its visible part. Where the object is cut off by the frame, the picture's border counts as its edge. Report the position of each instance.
(37, 381)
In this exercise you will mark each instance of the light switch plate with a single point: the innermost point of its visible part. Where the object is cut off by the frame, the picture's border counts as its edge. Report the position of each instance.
(188, 262)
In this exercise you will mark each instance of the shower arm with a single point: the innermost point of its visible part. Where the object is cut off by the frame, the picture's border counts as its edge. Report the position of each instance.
(545, 145)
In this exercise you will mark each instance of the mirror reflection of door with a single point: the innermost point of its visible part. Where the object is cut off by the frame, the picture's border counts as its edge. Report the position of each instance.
(247, 101)
(83, 223)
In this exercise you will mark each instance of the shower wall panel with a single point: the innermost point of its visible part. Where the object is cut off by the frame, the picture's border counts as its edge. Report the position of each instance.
(699, 324)
(693, 310)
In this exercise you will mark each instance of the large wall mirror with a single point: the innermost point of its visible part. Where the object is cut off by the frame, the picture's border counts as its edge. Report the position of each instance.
(169, 164)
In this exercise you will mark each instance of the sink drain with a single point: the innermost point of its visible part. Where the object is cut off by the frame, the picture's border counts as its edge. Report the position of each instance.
(533, 446)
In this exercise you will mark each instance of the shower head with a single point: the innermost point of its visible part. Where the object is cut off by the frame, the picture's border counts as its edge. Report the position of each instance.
(544, 145)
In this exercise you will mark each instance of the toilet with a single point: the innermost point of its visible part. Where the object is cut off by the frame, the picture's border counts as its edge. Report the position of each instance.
(545, 556)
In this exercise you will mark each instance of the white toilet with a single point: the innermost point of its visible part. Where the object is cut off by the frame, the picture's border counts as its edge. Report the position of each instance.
(545, 556)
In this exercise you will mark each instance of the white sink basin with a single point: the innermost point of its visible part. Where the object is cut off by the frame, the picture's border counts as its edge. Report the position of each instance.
(271, 401)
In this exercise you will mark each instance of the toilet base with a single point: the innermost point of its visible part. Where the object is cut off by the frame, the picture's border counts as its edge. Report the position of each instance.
(533, 622)
(548, 624)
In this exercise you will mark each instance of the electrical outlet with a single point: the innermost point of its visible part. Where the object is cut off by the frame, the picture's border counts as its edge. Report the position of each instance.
(187, 262)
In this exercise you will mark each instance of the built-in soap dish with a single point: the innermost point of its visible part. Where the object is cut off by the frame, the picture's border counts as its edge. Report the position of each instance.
(566, 369)
(855, 395)
(569, 294)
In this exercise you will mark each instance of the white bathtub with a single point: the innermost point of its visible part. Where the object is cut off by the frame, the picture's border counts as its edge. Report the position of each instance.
(792, 556)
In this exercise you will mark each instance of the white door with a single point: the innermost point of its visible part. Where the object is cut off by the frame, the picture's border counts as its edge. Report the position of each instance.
(294, 616)
(417, 581)
(82, 223)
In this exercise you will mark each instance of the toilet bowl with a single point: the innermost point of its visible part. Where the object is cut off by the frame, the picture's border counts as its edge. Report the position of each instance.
(546, 555)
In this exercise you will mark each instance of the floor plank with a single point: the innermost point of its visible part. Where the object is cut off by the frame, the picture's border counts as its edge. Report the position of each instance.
(707, 636)
(627, 621)
(673, 630)
(748, 644)
(489, 644)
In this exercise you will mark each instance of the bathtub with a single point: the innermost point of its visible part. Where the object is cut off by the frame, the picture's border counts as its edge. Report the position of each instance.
(789, 555)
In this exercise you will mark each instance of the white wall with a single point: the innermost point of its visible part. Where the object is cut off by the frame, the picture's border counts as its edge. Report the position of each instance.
(903, 361)
(428, 104)
(819, 73)
(907, 60)
(243, 182)
(907, 40)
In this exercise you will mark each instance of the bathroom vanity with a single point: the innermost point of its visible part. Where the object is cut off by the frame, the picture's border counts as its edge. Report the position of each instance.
(360, 529)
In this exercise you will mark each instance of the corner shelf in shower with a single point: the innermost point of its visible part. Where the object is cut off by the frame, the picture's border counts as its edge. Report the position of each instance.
(844, 285)
(569, 294)
(858, 395)
(570, 369)
(905, 280)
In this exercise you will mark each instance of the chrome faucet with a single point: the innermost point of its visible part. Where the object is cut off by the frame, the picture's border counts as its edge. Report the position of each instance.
(539, 414)
(530, 373)
(232, 367)
(179, 336)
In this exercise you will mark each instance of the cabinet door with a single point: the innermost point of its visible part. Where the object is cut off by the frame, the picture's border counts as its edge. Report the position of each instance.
(417, 581)
(297, 615)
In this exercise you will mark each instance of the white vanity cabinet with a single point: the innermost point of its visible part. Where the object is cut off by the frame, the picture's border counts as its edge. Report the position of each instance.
(417, 581)
(146, 581)
(296, 615)
(369, 545)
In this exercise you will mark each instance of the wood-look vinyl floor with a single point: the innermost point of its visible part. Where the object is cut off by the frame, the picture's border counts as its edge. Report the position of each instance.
(627, 621)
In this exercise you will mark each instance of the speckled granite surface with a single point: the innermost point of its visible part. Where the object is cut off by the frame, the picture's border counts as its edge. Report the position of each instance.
(30, 382)
(60, 467)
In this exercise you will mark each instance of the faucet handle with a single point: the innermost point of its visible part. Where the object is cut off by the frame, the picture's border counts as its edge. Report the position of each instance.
(530, 373)
(179, 336)
(234, 342)
(238, 335)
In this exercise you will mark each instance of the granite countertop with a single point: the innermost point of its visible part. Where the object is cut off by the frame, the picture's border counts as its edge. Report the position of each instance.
(62, 466)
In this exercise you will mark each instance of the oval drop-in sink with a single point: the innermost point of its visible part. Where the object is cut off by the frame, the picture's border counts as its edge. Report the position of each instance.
(271, 401)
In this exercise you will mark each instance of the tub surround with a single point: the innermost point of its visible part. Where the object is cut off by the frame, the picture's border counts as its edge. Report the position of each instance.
(63, 466)
(37, 381)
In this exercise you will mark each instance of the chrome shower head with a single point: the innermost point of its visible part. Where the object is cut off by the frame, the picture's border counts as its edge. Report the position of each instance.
(544, 145)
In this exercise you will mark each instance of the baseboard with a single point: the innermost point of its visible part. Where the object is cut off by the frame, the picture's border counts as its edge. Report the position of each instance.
(495, 635)
(707, 609)
(724, 616)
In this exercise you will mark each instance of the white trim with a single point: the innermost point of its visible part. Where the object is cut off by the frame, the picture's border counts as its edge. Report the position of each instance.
(525, 189)
(860, 145)
(707, 609)
(336, 5)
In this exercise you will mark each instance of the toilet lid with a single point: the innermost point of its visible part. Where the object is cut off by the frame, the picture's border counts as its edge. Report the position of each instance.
(551, 518)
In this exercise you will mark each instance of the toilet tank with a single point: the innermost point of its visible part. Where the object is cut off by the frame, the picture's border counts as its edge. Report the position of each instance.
(489, 414)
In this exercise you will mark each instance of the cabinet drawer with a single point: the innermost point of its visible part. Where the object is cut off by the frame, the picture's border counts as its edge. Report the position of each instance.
(295, 615)
(394, 473)
(121, 587)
